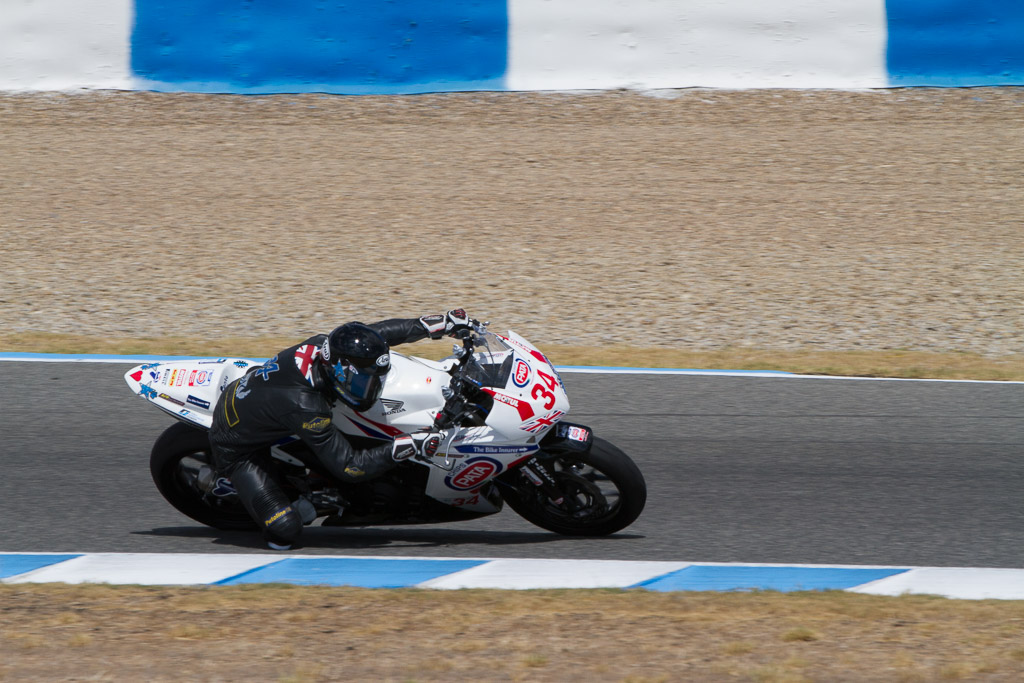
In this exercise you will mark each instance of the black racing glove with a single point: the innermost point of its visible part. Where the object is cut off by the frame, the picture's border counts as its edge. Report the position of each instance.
(454, 323)
(418, 444)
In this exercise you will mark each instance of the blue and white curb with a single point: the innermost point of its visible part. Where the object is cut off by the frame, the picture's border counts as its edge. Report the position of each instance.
(411, 46)
(509, 574)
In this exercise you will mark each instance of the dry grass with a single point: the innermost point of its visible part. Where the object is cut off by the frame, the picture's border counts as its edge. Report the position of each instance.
(895, 363)
(254, 633)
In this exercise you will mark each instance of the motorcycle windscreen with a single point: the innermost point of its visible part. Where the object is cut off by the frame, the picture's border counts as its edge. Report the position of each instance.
(492, 362)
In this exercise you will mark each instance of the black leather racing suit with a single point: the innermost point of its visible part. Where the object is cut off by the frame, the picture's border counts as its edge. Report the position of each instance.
(291, 394)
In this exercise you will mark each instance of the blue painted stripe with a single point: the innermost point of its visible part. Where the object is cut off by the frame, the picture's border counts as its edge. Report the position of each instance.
(12, 565)
(320, 45)
(729, 578)
(368, 573)
(955, 42)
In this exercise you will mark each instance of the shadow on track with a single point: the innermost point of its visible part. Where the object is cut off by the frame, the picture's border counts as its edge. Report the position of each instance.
(363, 538)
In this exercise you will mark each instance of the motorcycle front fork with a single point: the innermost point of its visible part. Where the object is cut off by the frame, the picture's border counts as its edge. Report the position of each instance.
(538, 475)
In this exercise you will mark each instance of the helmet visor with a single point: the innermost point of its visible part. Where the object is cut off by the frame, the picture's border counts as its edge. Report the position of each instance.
(359, 386)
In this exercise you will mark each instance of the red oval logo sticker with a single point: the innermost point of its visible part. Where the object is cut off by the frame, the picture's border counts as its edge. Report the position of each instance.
(521, 376)
(476, 472)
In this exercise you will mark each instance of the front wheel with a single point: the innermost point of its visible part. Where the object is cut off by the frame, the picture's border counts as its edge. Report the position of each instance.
(179, 462)
(602, 491)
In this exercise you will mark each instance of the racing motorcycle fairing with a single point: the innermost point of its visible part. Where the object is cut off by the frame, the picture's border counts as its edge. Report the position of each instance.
(521, 398)
(187, 389)
(498, 404)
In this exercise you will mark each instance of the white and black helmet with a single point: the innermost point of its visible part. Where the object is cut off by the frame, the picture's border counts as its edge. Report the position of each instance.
(357, 360)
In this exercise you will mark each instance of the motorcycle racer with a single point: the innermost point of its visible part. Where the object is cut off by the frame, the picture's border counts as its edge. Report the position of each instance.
(293, 394)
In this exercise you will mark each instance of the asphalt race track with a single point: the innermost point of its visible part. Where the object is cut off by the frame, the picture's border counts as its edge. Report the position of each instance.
(739, 469)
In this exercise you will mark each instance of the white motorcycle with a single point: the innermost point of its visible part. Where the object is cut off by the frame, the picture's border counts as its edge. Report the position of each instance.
(499, 404)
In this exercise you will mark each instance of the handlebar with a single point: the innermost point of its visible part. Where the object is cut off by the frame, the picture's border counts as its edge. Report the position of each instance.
(458, 406)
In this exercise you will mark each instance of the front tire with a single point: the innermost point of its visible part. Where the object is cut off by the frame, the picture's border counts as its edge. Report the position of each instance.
(603, 489)
(177, 459)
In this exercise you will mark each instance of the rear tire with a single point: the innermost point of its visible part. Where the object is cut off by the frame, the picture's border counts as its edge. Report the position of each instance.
(175, 462)
(604, 485)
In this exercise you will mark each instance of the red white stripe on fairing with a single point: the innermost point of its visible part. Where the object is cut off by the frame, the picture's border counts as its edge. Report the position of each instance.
(387, 429)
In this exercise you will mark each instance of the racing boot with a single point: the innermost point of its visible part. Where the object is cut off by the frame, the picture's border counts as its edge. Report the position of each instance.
(305, 508)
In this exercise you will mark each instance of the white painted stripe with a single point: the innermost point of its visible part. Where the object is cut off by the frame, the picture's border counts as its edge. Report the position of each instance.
(146, 569)
(901, 379)
(65, 44)
(650, 44)
(954, 582)
(530, 574)
(569, 369)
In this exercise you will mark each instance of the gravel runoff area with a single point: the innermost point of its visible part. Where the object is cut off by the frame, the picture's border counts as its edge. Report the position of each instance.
(688, 219)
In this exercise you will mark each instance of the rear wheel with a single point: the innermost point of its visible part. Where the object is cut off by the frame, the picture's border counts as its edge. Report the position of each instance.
(603, 492)
(179, 461)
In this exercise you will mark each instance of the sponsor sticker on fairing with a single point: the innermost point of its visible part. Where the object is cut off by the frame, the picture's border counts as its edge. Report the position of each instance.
(503, 450)
(474, 472)
(523, 407)
(576, 433)
(196, 401)
(392, 407)
(521, 373)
